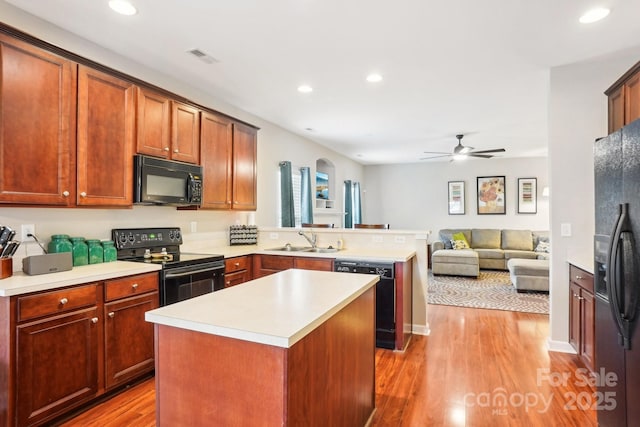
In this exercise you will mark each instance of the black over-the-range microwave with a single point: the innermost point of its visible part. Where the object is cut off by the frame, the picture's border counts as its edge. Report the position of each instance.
(166, 182)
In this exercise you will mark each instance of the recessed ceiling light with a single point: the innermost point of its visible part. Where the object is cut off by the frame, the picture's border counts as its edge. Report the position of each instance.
(374, 78)
(594, 15)
(123, 7)
(305, 88)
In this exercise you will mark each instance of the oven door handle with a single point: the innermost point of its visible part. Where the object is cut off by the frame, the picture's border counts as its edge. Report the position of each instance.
(190, 272)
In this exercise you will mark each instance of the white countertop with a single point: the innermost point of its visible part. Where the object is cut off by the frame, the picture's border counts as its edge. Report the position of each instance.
(277, 310)
(21, 283)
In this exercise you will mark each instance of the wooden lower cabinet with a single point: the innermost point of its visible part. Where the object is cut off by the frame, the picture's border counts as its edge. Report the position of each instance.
(582, 315)
(264, 265)
(67, 346)
(57, 365)
(128, 339)
(237, 270)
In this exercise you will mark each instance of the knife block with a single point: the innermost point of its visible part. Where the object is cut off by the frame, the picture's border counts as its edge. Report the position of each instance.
(6, 267)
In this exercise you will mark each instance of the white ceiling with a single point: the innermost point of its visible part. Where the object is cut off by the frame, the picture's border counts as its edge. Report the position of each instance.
(480, 68)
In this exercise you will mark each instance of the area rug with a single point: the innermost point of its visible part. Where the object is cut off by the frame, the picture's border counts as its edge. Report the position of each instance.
(491, 290)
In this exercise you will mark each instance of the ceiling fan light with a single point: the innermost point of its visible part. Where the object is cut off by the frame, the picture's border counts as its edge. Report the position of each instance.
(123, 7)
(458, 157)
(465, 150)
(594, 15)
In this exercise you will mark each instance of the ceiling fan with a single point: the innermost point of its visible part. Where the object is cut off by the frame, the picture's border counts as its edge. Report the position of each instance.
(461, 152)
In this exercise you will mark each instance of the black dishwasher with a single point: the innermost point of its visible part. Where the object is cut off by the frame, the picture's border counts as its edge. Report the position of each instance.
(385, 296)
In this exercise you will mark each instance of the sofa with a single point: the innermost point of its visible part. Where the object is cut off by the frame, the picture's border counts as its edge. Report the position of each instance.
(488, 248)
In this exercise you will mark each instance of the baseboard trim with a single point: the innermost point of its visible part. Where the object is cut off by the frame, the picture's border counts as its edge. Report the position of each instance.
(421, 330)
(560, 346)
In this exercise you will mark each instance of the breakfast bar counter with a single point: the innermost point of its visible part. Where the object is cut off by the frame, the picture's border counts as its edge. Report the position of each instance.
(293, 348)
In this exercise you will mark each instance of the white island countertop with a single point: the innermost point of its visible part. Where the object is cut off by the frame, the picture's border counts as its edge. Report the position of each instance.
(21, 283)
(277, 310)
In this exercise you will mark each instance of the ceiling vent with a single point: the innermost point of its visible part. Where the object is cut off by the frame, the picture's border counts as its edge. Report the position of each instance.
(202, 56)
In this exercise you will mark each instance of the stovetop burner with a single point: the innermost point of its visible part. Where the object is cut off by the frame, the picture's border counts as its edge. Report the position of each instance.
(148, 244)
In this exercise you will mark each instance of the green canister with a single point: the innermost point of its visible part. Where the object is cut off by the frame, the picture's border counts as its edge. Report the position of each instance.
(59, 243)
(110, 252)
(80, 251)
(96, 253)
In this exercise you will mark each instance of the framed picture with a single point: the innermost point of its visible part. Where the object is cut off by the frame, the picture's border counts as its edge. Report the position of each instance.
(491, 195)
(527, 195)
(456, 198)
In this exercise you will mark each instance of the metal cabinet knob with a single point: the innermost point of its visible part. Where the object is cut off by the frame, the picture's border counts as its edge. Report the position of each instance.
(237, 264)
(579, 277)
(65, 193)
(63, 301)
(83, 194)
(228, 282)
(166, 148)
(176, 151)
(111, 314)
(134, 286)
(94, 320)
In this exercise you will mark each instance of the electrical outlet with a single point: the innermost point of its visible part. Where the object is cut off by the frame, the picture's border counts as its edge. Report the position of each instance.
(27, 229)
(193, 226)
(400, 239)
(273, 236)
(378, 239)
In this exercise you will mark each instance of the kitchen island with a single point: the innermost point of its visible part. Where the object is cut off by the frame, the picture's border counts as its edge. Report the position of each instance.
(293, 348)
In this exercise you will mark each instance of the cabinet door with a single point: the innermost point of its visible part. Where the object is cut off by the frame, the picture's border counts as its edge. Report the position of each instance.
(128, 338)
(153, 122)
(632, 99)
(244, 167)
(588, 331)
(263, 265)
(305, 263)
(106, 129)
(57, 364)
(185, 133)
(616, 109)
(574, 316)
(216, 149)
(37, 125)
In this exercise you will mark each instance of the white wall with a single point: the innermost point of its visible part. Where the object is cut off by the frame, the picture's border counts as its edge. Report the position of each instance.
(577, 116)
(274, 145)
(414, 196)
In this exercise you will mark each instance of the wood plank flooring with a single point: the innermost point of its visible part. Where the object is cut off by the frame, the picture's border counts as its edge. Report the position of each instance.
(477, 368)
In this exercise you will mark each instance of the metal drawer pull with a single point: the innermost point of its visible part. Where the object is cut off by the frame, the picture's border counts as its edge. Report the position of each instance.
(111, 314)
(579, 277)
(237, 264)
(134, 286)
(94, 320)
(63, 301)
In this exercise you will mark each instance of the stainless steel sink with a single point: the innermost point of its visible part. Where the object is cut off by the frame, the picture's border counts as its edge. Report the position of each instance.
(289, 248)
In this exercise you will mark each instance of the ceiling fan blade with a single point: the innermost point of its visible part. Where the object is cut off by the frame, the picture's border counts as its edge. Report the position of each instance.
(496, 150)
(436, 152)
(484, 156)
(435, 157)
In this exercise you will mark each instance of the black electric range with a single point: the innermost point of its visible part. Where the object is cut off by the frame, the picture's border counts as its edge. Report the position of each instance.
(183, 275)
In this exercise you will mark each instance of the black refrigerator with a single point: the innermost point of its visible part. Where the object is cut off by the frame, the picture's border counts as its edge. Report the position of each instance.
(617, 278)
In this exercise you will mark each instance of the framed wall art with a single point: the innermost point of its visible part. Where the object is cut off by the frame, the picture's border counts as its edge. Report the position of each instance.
(491, 195)
(456, 198)
(527, 195)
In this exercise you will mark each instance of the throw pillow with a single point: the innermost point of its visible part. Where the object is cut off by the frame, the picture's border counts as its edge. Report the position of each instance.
(459, 236)
(543, 247)
(459, 244)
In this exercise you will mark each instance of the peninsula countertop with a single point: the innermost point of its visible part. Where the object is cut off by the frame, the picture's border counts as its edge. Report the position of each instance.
(277, 310)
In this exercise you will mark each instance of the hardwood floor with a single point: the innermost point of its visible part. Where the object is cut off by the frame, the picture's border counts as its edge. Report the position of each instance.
(477, 368)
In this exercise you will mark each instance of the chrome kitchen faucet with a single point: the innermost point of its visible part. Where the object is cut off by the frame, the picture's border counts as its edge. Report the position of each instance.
(312, 240)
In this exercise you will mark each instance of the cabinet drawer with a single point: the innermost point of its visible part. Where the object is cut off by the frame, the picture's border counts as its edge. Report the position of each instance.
(581, 278)
(321, 264)
(58, 301)
(275, 262)
(132, 285)
(237, 278)
(232, 265)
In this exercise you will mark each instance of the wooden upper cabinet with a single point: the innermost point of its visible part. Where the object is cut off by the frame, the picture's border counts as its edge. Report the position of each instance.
(216, 156)
(153, 117)
(624, 99)
(37, 125)
(106, 132)
(632, 98)
(167, 128)
(244, 167)
(185, 133)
